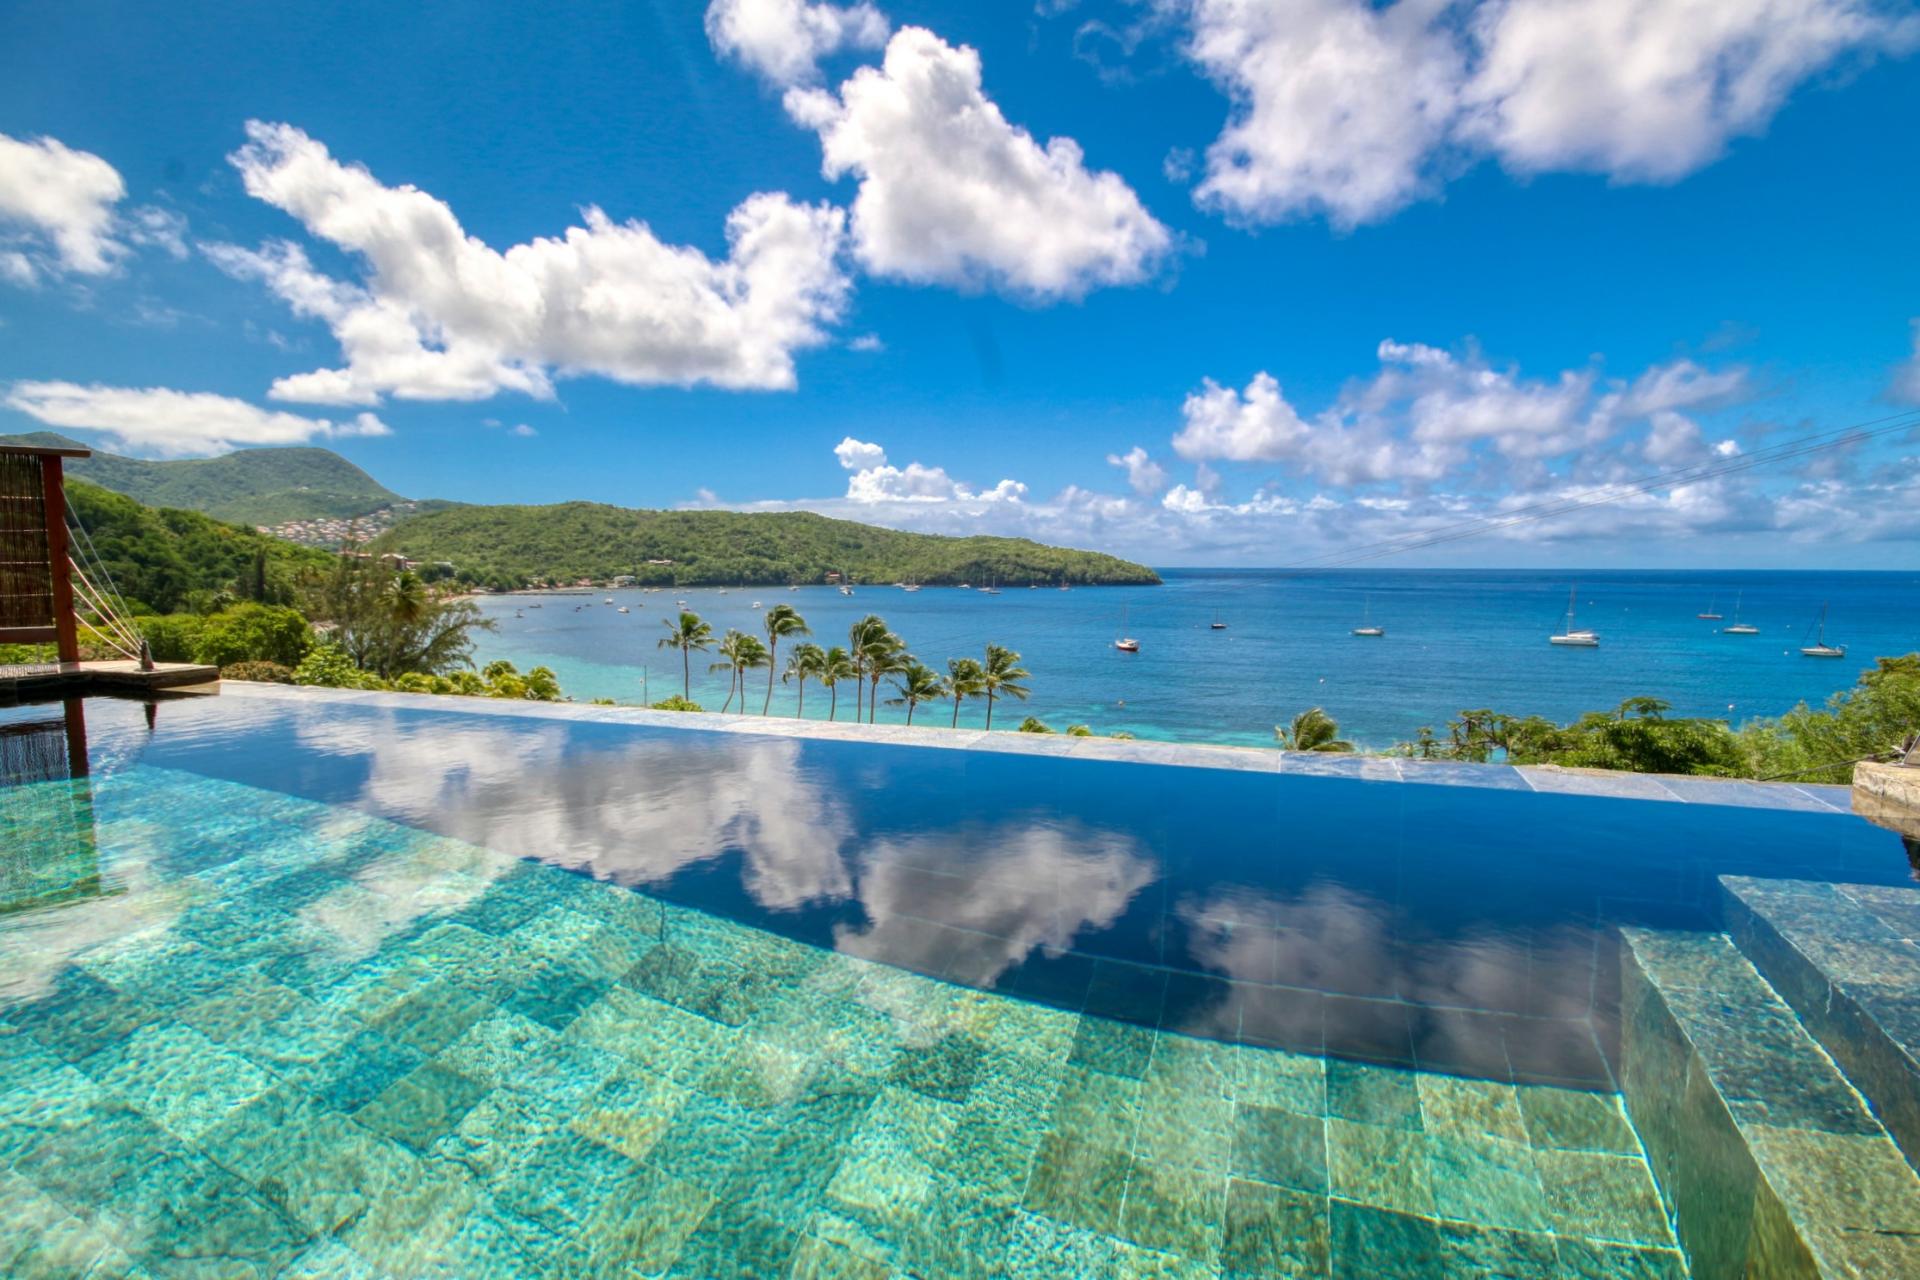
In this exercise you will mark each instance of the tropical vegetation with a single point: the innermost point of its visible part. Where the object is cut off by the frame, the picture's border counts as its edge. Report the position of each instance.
(584, 540)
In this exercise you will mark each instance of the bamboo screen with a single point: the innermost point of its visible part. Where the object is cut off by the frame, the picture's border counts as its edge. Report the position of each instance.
(26, 569)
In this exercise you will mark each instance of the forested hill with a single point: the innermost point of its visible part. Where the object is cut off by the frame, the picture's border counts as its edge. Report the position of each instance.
(590, 540)
(162, 561)
(249, 486)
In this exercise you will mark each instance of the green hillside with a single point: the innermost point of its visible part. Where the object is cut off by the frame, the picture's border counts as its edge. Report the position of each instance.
(159, 559)
(250, 486)
(591, 540)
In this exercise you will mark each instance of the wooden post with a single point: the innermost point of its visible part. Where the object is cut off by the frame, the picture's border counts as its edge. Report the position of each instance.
(53, 487)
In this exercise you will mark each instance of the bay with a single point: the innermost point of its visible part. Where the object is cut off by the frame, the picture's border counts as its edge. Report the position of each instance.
(1455, 639)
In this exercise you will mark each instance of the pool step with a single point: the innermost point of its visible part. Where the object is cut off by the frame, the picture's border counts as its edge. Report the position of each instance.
(1845, 957)
(1768, 1159)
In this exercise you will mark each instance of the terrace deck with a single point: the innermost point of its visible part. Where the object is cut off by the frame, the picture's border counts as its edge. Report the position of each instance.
(69, 679)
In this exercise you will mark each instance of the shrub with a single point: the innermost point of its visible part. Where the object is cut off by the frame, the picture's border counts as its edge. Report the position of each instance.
(1034, 725)
(677, 703)
(327, 666)
(175, 637)
(260, 672)
(1079, 731)
(253, 633)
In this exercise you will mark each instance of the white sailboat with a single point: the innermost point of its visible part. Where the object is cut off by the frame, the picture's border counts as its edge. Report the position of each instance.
(1126, 643)
(1820, 648)
(1572, 636)
(1366, 627)
(1709, 615)
(1739, 628)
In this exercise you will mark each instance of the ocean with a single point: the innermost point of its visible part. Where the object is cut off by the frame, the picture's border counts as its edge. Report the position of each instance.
(1454, 639)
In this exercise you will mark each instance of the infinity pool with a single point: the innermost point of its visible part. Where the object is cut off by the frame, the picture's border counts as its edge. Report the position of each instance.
(296, 985)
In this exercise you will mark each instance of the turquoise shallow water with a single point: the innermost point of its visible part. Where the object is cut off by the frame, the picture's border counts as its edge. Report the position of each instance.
(1455, 639)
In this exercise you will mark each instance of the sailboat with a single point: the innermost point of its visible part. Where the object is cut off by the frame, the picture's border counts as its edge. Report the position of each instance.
(1216, 624)
(1126, 643)
(1709, 615)
(1739, 628)
(1575, 637)
(1820, 648)
(1366, 627)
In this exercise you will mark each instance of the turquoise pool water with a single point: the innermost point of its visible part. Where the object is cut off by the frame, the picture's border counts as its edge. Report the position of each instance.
(254, 1024)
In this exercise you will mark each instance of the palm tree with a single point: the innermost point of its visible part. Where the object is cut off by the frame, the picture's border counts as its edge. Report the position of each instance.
(1000, 677)
(861, 637)
(1312, 730)
(781, 620)
(806, 662)
(887, 656)
(740, 653)
(406, 598)
(918, 683)
(835, 666)
(966, 678)
(687, 633)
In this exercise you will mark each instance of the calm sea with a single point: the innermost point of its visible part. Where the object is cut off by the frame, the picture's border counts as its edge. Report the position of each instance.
(1455, 639)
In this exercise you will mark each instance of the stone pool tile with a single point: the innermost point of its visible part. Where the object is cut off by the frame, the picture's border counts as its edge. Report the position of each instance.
(1044, 1248)
(495, 1136)
(628, 1112)
(657, 1036)
(1846, 1187)
(1271, 1231)
(1624, 786)
(1078, 1182)
(1183, 1129)
(1378, 1244)
(1602, 1197)
(1448, 774)
(325, 1172)
(1467, 1249)
(1095, 1107)
(372, 989)
(1488, 1182)
(1279, 1147)
(945, 1069)
(187, 1215)
(1285, 1018)
(354, 1076)
(731, 1244)
(1367, 1094)
(79, 1016)
(498, 1049)
(331, 1260)
(1455, 1107)
(183, 1080)
(1174, 1209)
(1558, 1051)
(1275, 1078)
(1118, 1048)
(821, 1259)
(1897, 908)
(566, 1072)
(410, 1222)
(1387, 1168)
(563, 1180)
(1743, 795)
(1599, 1260)
(1576, 1120)
(432, 1016)
(421, 1106)
(253, 1140)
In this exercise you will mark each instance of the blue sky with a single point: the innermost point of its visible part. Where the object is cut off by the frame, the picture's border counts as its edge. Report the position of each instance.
(1198, 281)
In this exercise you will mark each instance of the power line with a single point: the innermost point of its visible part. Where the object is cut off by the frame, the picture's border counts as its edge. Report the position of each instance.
(1567, 505)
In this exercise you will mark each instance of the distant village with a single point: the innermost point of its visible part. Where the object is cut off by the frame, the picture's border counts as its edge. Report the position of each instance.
(339, 531)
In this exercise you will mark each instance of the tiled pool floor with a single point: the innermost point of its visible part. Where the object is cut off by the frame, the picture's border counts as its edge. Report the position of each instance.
(260, 1036)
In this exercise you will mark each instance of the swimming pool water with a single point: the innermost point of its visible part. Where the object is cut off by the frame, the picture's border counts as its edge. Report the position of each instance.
(295, 987)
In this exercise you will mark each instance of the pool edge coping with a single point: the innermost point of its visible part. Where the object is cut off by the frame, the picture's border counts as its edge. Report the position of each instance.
(1742, 792)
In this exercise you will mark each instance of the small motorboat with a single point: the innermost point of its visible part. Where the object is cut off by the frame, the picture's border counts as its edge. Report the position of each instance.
(608, 600)
(623, 609)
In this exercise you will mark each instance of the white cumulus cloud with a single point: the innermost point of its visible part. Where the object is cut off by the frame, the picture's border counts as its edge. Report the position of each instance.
(953, 193)
(1144, 475)
(1352, 109)
(784, 40)
(443, 316)
(62, 198)
(859, 455)
(171, 423)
